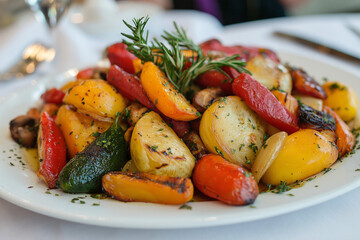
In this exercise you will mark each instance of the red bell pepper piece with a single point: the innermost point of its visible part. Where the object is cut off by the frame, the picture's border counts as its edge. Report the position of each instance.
(180, 127)
(53, 95)
(264, 103)
(119, 55)
(214, 78)
(215, 46)
(245, 52)
(129, 86)
(52, 150)
(85, 73)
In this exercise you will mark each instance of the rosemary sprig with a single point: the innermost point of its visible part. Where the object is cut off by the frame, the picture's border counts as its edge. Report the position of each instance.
(171, 59)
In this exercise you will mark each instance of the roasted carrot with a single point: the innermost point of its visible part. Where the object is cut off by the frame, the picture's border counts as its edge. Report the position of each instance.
(345, 139)
(145, 187)
(164, 96)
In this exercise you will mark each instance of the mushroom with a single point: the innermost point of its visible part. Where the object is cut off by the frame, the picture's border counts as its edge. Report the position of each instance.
(23, 130)
(204, 98)
(196, 146)
(134, 112)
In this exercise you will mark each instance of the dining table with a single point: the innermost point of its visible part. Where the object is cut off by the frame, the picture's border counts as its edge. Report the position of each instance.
(80, 44)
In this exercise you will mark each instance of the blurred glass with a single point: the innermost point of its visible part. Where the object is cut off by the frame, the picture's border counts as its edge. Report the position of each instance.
(49, 11)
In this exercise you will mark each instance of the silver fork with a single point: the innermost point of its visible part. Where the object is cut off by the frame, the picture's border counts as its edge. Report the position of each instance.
(32, 56)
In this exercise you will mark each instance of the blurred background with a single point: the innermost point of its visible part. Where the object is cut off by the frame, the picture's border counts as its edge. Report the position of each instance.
(226, 11)
(79, 30)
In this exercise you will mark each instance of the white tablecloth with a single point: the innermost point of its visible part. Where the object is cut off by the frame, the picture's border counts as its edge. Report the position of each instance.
(334, 219)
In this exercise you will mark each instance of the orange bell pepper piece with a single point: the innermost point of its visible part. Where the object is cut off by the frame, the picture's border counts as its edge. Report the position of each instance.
(165, 97)
(145, 187)
(287, 101)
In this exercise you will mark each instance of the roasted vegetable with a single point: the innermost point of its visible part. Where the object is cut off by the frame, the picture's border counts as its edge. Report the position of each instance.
(345, 139)
(286, 100)
(34, 113)
(315, 119)
(24, 130)
(69, 85)
(305, 84)
(230, 128)
(164, 96)
(213, 47)
(129, 86)
(50, 108)
(96, 98)
(204, 98)
(79, 130)
(267, 154)
(51, 150)
(196, 146)
(156, 149)
(304, 154)
(342, 99)
(263, 102)
(313, 102)
(134, 112)
(215, 79)
(92, 73)
(225, 181)
(53, 95)
(269, 73)
(181, 128)
(145, 187)
(130, 167)
(121, 57)
(106, 153)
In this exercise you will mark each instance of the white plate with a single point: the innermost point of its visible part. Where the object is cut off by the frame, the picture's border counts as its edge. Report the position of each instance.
(15, 180)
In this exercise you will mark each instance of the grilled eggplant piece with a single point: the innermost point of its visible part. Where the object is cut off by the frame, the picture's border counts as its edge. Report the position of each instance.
(315, 119)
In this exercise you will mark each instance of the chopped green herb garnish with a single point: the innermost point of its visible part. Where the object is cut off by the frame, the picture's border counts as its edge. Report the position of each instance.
(153, 148)
(219, 152)
(326, 170)
(185, 206)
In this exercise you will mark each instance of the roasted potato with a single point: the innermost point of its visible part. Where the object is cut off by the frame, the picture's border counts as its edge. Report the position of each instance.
(79, 130)
(270, 73)
(342, 99)
(96, 98)
(267, 154)
(313, 102)
(155, 148)
(304, 154)
(130, 167)
(230, 128)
